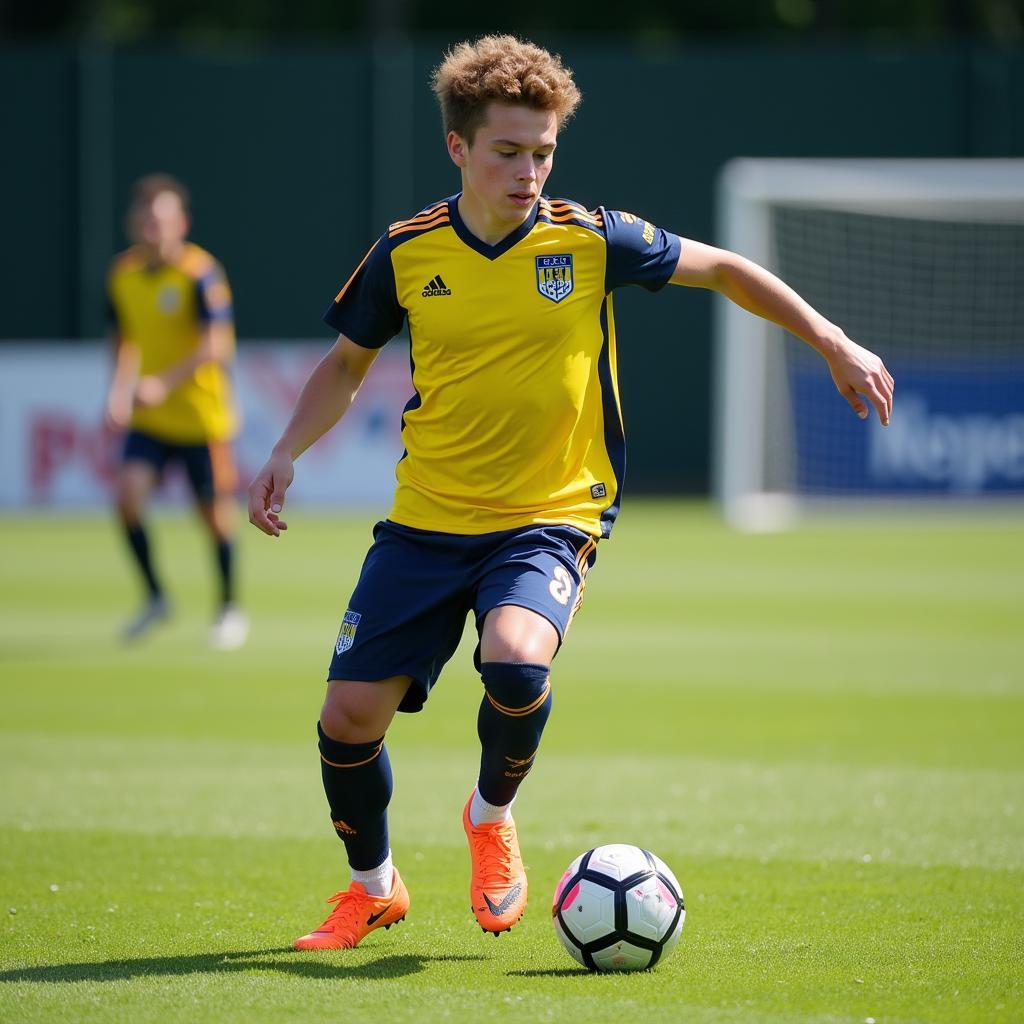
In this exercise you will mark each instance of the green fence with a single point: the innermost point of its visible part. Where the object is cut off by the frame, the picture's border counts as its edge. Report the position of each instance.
(299, 157)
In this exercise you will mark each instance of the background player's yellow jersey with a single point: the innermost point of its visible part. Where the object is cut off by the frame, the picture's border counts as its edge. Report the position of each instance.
(515, 419)
(162, 311)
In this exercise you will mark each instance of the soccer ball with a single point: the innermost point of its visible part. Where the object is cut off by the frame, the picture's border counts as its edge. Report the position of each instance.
(618, 908)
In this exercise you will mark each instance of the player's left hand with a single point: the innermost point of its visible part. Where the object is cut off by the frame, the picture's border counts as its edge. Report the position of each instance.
(118, 412)
(151, 390)
(856, 372)
(266, 494)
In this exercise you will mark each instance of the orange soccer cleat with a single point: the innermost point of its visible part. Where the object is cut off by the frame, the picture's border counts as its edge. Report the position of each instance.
(498, 885)
(356, 913)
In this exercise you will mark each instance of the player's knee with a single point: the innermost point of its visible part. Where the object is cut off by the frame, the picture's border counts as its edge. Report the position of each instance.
(518, 690)
(338, 722)
(220, 516)
(515, 635)
(129, 509)
(348, 720)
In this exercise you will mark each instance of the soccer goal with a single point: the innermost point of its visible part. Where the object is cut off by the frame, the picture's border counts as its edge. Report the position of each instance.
(923, 262)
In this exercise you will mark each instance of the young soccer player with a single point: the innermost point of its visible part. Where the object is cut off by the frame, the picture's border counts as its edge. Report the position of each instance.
(514, 455)
(173, 343)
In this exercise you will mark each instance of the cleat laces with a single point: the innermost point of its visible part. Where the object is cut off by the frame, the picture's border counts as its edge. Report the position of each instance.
(496, 860)
(345, 917)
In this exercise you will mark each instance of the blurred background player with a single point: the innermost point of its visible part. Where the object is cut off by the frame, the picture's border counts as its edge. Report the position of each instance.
(173, 335)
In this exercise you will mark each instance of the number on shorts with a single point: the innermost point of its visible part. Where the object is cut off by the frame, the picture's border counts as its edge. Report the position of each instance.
(561, 586)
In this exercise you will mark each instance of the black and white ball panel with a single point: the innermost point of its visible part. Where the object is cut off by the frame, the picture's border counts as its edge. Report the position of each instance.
(618, 907)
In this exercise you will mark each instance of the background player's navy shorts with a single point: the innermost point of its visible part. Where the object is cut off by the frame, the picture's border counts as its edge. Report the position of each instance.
(416, 587)
(210, 467)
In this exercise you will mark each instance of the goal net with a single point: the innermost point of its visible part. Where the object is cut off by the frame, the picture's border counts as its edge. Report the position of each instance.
(921, 261)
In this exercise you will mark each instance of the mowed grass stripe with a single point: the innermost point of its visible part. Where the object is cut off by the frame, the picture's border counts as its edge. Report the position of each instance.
(641, 711)
(690, 805)
(798, 656)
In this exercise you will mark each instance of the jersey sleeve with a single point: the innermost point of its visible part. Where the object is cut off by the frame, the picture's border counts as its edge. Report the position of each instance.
(366, 310)
(638, 252)
(213, 295)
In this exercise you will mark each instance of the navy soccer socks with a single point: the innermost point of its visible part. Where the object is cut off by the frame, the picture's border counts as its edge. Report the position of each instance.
(358, 783)
(224, 551)
(138, 541)
(516, 705)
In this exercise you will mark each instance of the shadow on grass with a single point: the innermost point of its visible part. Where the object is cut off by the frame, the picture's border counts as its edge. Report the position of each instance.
(283, 960)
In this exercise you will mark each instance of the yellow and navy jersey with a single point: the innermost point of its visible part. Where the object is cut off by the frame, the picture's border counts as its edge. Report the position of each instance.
(515, 417)
(163, 311)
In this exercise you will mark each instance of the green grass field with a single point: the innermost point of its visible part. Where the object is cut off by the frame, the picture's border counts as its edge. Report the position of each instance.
(821, 732)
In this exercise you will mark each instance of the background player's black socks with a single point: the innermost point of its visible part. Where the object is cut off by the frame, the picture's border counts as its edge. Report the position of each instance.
(138, 541)
(512, 714)
(225, 563)
(358, 784)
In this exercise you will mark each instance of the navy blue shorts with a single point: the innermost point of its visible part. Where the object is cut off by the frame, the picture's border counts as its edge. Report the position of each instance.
(210, 467)
(416, 588)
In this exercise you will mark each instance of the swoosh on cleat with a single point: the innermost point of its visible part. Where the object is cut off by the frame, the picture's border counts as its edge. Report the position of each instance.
(374, 918)
(510, 897)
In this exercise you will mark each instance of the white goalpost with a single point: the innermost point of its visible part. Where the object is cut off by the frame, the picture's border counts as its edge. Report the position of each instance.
(922, 261)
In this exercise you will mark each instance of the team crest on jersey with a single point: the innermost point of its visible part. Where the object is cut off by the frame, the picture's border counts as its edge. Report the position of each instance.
(169, 299)
(347, 636)
(554, 277)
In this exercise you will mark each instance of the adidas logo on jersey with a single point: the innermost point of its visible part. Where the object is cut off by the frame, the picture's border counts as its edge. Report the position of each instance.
(436, 287)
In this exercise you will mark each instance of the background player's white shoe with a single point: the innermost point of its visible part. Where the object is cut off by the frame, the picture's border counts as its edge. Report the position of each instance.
(231, 629)
(153, 612)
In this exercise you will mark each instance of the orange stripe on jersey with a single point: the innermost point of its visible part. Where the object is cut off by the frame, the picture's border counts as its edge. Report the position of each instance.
(344, 289)
(438, 221)
(561, 206)
(422, 215)
(195, 261)
(428, 210)
(564, 216)
(421, 218)
(560, 216)
(564, 204)
(418, 221)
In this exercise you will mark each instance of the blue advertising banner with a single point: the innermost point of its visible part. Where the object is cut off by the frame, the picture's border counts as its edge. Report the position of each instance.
(957, 431)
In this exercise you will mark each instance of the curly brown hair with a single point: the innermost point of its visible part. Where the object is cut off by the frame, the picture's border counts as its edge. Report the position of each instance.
(500, 69)
(147, 188)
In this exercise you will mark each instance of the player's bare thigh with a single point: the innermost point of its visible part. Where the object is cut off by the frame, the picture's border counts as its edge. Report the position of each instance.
(514, 634)
(135, 482)
(359, 712)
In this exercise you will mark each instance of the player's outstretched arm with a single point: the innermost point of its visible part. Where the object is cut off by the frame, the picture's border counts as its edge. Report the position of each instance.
(120, 394)
(854, 369)
(324, 399)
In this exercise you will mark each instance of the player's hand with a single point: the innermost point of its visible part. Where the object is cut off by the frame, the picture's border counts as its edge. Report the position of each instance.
(118, 413)
(856, 372)
(266, 494)
(151, 390)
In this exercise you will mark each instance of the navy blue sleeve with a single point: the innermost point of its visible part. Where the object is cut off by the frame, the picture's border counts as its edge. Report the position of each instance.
(638, 252)
(366, 310)
(213, 295)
